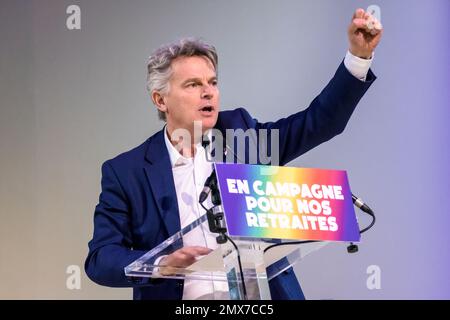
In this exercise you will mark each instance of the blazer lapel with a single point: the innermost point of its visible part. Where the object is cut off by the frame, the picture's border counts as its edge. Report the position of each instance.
(159, 174)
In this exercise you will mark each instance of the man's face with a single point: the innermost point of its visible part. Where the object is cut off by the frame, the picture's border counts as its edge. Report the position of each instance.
(193, 94)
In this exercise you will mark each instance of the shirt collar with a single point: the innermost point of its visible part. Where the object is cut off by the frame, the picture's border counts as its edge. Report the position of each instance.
(176, 159)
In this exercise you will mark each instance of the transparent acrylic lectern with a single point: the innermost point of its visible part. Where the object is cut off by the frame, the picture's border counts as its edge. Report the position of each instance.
(220, 270)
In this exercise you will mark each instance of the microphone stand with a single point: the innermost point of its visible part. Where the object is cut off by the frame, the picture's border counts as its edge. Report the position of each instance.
(216, 223)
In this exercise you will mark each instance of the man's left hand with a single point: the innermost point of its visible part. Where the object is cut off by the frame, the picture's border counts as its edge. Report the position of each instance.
(362, 34)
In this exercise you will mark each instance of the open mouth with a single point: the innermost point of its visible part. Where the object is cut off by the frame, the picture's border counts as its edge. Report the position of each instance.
(207, 109)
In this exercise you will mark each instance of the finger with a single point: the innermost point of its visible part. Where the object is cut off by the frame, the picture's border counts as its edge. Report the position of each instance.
(196, 250)
(377, 35)
(201, 250)
(374, 26)
(359, 13)
(167, 271)
(358, 24)
(181, 260)
(378, 24)
(175, 260)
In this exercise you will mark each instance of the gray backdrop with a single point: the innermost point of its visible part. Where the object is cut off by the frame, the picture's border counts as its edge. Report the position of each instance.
(70, 99)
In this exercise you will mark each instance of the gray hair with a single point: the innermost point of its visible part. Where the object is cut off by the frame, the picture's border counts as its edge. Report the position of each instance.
(159, 63)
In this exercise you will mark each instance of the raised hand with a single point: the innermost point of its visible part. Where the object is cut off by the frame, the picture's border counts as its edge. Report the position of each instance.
(364, 34)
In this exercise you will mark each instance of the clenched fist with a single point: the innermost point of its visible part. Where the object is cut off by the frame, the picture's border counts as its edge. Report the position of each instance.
(364, 34)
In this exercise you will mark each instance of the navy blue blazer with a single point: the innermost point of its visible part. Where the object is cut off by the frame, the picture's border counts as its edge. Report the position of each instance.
(138, 207)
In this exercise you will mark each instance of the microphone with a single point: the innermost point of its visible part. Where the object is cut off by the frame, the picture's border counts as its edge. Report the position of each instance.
(209, 181)
(207, 187)
(352, 248)
(205, 141)
(361, 205)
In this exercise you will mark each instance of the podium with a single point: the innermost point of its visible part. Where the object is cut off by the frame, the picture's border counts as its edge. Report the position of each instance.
(256, 245)
(221, 269)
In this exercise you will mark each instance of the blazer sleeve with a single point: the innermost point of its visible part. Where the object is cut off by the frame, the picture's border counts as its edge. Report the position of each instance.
(110, 249)
(326, 116)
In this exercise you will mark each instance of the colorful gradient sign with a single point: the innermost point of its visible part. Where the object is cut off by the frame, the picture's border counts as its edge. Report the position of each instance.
(287, 203)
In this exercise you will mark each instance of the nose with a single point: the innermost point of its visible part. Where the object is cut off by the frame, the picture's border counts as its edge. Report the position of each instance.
(208, 92)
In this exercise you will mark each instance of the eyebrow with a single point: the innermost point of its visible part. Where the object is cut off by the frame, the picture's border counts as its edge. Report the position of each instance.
(197, 80)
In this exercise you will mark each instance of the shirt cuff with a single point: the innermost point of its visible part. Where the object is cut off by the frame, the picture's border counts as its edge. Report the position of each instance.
(356, 66)
(156, 263)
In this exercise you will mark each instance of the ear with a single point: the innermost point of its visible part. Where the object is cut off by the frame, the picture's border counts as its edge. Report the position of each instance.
(159, 101)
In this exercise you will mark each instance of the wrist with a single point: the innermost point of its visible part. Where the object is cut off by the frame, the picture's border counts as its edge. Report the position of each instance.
(358, 67)
(361, 54)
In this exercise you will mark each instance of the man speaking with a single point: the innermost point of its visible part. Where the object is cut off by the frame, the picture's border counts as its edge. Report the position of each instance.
(151, 192)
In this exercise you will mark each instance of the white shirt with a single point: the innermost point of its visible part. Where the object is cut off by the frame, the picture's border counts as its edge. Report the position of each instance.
(190, 174)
